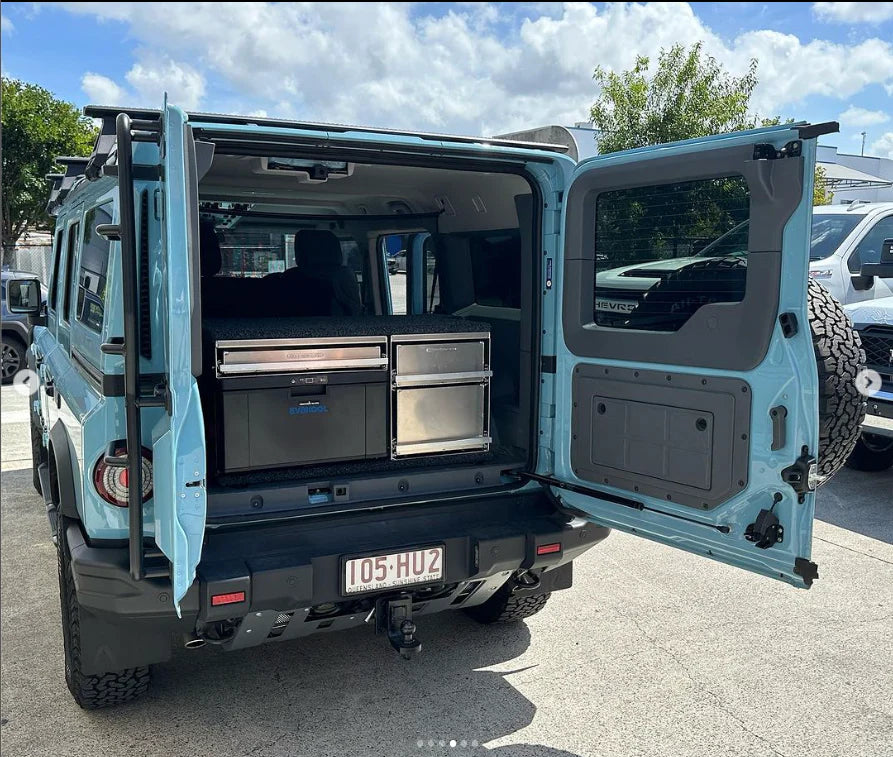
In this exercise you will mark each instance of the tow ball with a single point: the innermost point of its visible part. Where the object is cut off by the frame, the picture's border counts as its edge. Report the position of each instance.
(393, 616)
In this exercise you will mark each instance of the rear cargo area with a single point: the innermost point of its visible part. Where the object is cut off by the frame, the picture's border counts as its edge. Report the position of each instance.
(365, 338)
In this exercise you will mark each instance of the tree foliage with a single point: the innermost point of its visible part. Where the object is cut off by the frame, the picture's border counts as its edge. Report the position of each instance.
(688, 95)
(821, 195)
(36, 128)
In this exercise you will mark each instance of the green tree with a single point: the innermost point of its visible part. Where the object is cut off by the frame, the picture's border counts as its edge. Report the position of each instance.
(36, 128)
(689, 95)
(821, 195)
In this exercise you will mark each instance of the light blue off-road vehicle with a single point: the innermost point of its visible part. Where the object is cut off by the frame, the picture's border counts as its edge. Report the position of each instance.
(249, 430)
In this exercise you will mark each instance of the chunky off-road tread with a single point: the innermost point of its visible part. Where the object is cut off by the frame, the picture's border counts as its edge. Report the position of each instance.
(505, 607)
(91, 692)
(38, 456)
(839, 357)
(872, 454)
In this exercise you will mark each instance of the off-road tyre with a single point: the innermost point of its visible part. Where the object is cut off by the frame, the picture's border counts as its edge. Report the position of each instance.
(505, 607)
(91, 692)
(38, 456)
(872, 453)
(839, 357)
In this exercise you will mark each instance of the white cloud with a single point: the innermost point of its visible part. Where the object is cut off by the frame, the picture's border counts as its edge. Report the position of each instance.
(148, 82)
(854, 13)
(6, 25)
(856, 116)
(152, 78)
(100, 90)
(883, 147)
(474, 68)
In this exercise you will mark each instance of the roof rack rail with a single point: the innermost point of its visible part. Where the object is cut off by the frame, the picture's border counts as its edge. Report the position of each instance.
(107, 140)
(73, 160)
(106, 112)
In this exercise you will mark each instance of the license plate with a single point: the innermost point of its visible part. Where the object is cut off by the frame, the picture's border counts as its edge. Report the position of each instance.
(417, 566)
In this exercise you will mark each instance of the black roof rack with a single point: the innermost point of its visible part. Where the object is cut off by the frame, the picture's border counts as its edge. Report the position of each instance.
(105, 145)
(109, 113)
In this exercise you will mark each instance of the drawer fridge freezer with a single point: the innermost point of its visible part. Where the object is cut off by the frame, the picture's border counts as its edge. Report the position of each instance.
(440, 399)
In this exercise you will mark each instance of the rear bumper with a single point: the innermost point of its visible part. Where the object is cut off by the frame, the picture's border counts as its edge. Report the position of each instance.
(879, 413)
(290, 567)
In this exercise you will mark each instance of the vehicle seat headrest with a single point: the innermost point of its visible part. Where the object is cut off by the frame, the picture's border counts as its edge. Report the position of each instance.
(317, 251)
(209, 244)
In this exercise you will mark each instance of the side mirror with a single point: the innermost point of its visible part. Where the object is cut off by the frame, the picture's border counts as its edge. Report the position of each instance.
(884, 268)
(24, 296)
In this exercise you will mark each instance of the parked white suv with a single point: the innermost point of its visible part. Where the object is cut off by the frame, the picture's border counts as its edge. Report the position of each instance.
(844, 237)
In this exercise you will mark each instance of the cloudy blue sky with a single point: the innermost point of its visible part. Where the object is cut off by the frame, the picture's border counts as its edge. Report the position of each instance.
(475, 68)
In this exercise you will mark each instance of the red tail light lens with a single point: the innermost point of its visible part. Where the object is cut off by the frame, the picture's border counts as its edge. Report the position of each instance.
(112, 482)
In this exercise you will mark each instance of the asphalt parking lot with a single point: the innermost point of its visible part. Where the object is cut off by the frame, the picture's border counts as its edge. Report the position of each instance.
(652, 652)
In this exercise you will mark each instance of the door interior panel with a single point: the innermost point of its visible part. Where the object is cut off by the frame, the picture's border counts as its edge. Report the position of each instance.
(679, 437)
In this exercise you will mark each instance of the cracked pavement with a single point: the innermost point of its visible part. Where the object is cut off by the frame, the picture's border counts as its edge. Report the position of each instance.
(653, 651)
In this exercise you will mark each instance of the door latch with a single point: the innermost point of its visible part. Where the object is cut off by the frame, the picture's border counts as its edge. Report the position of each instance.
(803, 475)
(765, 530)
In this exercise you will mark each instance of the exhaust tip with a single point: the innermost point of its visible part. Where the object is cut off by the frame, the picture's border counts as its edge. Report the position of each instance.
(194, 643)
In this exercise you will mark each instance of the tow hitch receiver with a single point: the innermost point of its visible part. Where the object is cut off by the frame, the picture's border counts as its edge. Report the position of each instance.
(393, 616)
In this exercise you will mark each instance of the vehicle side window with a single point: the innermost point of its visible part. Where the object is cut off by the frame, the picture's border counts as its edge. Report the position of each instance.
(394, 249)
(664, 251)
(869, 248)
(57, 258)
(73, 233)
(93, 268)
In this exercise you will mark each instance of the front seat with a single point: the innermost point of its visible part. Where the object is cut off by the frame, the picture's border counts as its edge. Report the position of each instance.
(319, 259)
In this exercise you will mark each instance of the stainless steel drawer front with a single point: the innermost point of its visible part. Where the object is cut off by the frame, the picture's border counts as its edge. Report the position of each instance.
(441, 419)
(279, 357)
(426, 359)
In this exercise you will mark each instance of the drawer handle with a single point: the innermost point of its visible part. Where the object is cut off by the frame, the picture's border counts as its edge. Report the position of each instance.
(425, 379)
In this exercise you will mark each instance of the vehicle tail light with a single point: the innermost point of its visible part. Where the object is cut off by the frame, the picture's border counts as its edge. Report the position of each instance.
(548, 549)
(112, 481)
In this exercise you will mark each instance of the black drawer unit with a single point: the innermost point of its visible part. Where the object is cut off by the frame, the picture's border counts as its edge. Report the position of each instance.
(290, 402)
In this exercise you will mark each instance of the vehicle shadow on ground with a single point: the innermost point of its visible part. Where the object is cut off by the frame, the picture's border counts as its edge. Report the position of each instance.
(342, 694)
(347, 694)
(859, 502)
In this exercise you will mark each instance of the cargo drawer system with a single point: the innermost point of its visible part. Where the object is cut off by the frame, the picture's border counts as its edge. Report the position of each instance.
(287, 402)
(441, 393)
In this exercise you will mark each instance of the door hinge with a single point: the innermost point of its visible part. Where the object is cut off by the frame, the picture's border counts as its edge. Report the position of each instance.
(803, 475)
(765, 530)
(792, 149)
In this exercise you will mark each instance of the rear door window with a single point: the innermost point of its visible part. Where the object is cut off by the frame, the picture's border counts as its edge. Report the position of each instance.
(93, 268)
(71, 254)
(57, 258)
(664, 251)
